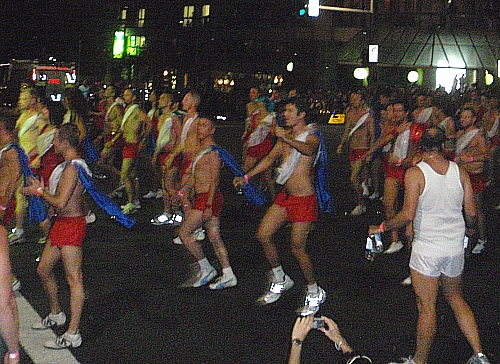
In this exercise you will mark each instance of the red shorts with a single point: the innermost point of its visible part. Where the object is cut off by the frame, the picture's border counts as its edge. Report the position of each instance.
(200, 203)
(260, 150)
(394, 171)
(356, 154)
(130, 151)
(186, 163)
(298, 208)
(10, 212)
(478, 182)
(68, 231)
(162, 157)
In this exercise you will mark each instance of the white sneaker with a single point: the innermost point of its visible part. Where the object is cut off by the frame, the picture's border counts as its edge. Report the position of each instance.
(407, 281)
(199, 234)
(276, 289)
(64, 341)
(479, 248)
(201, 278)
(162, 219)
(16, 237)
(358, 210)
(50, 321)
(150, 194)
(90, 217)
(312, 302)
(177, 241)
(159, 193)
(224, 282)
(394, 247)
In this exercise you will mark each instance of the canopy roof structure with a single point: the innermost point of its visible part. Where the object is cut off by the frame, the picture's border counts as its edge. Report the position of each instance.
(414, 47)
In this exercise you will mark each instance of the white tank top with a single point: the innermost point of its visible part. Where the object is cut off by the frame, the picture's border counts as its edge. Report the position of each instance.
(439, 226)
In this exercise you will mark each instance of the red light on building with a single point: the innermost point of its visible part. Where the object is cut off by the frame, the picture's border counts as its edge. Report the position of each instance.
(54, 81)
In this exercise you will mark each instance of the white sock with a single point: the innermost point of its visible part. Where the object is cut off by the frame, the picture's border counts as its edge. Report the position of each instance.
(279, 274)
(312, 288)
(204, 263)
(227, 272)
(19, 231)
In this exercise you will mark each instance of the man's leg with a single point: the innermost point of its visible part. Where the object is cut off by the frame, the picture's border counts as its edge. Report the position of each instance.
(463, 314)
(50, 256)
(270, 224)
(72, 260)
(391, 190)
(125, 178)
(300, 231)
(426, 291)
(192, 221)
(213, 231)
(9, 323)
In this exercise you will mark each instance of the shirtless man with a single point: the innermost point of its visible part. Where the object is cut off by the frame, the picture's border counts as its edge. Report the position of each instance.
(112, 122)
(471, 152)
(29, 126)
(426, 113)
(297, 202)
(134, 127)
(404, 137)
(169, 127)
(491, 121)
(188, 145)
(206, 209)
(65, 196)
(10, 178)
(359, 133)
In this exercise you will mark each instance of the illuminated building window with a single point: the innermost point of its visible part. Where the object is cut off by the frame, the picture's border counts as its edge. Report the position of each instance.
(142, 16)
(188, 16)
(205, 14)
(124, 14)
(135, 44)
(118, 44)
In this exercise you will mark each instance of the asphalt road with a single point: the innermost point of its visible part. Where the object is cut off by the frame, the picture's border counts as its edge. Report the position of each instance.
(135, 313)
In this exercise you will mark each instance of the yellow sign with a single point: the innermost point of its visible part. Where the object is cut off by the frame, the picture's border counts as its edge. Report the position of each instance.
(337, 119)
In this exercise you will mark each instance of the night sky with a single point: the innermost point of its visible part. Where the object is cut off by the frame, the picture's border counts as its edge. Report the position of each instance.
(63, 29)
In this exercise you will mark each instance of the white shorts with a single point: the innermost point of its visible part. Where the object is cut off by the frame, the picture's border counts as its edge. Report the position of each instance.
(450, 266)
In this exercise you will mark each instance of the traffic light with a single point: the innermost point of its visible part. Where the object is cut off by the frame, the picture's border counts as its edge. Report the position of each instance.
(313, 8)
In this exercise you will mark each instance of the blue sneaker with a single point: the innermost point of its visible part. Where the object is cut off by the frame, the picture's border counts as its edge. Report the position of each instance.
(201, 278)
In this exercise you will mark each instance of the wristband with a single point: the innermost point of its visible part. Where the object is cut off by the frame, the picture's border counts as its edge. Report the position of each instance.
(382, 227)
(14, 355)
(3, 208)
(246, 178)
(39, 191)
(338, 345)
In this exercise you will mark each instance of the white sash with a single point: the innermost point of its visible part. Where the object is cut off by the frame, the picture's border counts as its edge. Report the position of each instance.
(464, 140)
(151, 113)
(67, 117)
(164, 133)
(129, 112)
(261, 131)
(109, 110)
(288, 166)
(55, 177)
(424, 115)
(401, 144)
(7, 147)
(28, 123)
(44, 141)
(198, 157)
(185, 129)
(360, 122)
(494, 128)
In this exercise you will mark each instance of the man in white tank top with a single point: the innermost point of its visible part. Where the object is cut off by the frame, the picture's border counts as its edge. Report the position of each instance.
(435, 192)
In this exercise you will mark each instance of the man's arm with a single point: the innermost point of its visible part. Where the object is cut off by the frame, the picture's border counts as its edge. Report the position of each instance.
(309, 147)
(268, 160)
(469, 203)
(414, 185)
(9, 168)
